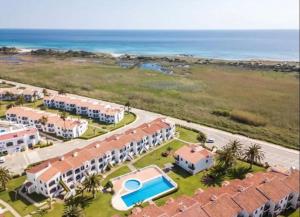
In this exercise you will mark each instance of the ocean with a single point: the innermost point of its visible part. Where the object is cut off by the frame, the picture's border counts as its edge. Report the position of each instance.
(221, 44)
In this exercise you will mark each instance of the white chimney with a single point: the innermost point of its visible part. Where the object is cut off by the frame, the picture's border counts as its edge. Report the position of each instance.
(75, 154)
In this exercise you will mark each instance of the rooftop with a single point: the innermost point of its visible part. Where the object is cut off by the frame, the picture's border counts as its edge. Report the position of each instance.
(193, 153)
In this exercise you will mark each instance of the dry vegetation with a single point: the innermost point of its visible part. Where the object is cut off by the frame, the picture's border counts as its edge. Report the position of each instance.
(259, 104)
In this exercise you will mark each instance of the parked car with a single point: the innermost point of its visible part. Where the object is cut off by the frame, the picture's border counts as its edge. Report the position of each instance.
(210, 140)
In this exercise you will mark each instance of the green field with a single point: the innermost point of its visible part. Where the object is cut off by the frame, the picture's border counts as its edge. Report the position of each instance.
(256, 103)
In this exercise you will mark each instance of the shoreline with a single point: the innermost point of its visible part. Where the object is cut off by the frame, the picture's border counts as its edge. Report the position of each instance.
(25, 50)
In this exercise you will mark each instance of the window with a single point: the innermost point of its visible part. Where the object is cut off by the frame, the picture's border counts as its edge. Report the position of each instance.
(20, 141)
(32, 137)
(9, 144)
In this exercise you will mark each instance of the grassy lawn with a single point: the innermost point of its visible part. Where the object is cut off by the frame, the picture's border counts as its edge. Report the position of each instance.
(18, 203)
(187, 135)
(192, 94)
(291, 213)
(8, 214)
(91, 132)
(57, 210)
(156, 158)
(120, 171)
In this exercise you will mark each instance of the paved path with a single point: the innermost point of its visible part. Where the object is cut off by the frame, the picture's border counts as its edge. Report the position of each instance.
(274, 154)
(9, 208)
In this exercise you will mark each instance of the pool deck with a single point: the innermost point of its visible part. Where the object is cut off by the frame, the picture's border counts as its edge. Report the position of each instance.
(143, 175)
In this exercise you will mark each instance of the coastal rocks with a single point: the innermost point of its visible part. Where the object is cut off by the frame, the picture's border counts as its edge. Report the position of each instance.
(69, 53)
(8, 50)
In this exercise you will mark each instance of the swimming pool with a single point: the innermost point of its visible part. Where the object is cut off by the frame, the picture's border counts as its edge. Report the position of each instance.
(149, 190)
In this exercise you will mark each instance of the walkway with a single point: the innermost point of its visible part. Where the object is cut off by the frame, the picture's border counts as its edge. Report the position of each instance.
(9, 208)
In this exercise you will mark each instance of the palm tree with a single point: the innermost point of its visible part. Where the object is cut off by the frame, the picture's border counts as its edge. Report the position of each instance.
(4, 177)
(236, 147)
(254, 154)
(226, 157)
(201, 138)
(92, 184)
(43, 120)
(73, 210)
(20, 100)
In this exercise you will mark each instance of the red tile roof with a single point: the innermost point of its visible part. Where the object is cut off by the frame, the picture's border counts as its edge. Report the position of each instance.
(293, 181)
(178, 205)
(52, 118)
(76, 158)
(92, 105)
(274, 189)
(18, 133)
(150, 211)
(222, 206)
(193, 153)
(250, 199)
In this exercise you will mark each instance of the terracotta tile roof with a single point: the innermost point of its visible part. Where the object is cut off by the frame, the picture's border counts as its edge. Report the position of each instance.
(274, 189)
(206, 196)
(78, 157)
(222, 206)
(250, 199)
(193, 153)
(52, 118)
(193, 211)
(89, 104)
(150, 211)
(52, 171)
(18, 133)
(19, 91)
(293, 181)
(172, 207)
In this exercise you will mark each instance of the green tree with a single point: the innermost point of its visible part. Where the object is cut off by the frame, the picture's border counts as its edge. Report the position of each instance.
(254, 154)
(43, 121)
(127, 104)
(9, 106)
(236, 148)
(226, 157)
(20, 100)
(4, 177)
(45, 92)
(73, 210)
(201, 138)
(92, 184)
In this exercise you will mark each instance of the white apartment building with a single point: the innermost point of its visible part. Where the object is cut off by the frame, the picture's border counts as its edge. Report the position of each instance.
(68, 128)
(52, 177)
(194, 158)
(29, 94)
(16, 138)
(92, 109)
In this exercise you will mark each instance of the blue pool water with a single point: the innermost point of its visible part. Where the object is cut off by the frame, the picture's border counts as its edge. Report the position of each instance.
(149, 190)
(132, 184)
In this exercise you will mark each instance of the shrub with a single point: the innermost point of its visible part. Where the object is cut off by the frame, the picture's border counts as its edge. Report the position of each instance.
(201, 137)
(221, 112)
(248, 118)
